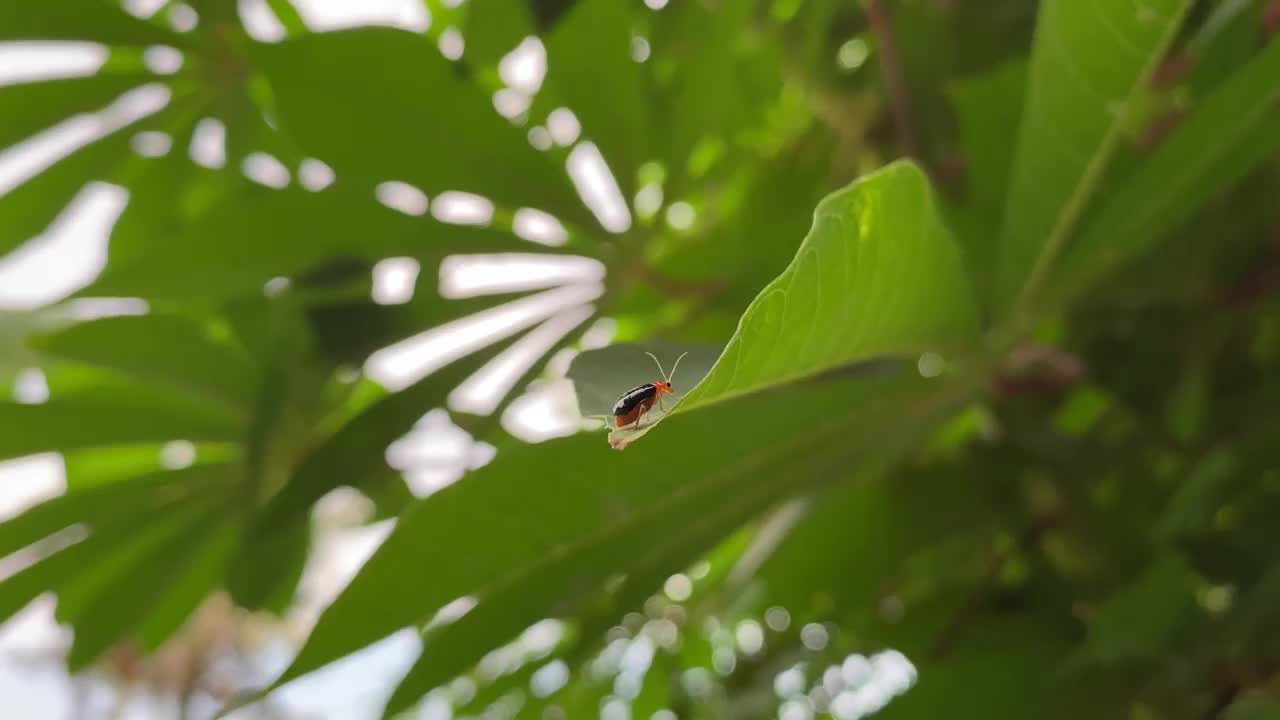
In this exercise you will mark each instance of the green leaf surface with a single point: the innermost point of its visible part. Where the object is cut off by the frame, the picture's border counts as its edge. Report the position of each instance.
(877, 275)
(1143, 618)
(606, 511)
(97, 20)
(202, 575)
(593, 41)
(1009, 668)
(113, 597)
(714, 81)
(28, 209)
(355, 455)
(105, 533)
(288, 16)
(492, 28)
(260, 233)
(35, 106)
(16, 327)
(95, 504)
(92, 418)
(52, 571)
(1089, 66)
(1254, 705)
(264, 575)
(171, 349)
(1231, 132)
(988, 109)
(867, 512)
(341, 97)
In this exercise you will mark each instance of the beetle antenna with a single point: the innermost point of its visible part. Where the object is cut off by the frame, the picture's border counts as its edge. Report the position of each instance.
(673, 367)
(661, 372)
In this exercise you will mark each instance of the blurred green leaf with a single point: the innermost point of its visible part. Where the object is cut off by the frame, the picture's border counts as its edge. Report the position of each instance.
(178, 351)
(1090, 64)
(91, 418)
(1008, 668)
(876, 245)
(261, 233)
(436, 132)
(593, 40)
(492, 28)
(1191, 508)
(288, 15)
(51, 572)
(1226, 136)
(84, 547)
(1141, 620)
(262, 575)
(28, 209)
(202, 575)
(355, 454)
(1254, 705)
(713, 80)
(988, 109)
(866, 513)
(35, 106)
(95, 504)
(110, 600)
(97, 20)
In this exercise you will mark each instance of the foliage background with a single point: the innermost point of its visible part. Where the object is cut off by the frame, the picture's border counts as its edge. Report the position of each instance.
(979, 298)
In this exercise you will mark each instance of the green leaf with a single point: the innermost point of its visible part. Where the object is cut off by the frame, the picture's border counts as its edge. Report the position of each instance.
(98, 20)
(988, 109)
(261, 233)
(17, 327)
(1007, 667)
(1190, 510)
(28, 209)
(111, 599)
(591, 516)
(288, 15)
(94, 504)
(35, 106)
(1089, 66)
(877, 275)
(114, 527)
(713, 79)
(492, 28)
(601, 376)
(171, 349)
(593, 41)
(1254, 705)
(1141, 620)
(53, 571)
(417, 120)
(1230, 133)
(355, 455)
(92, 418)
(264, 575)
(202, 575)
(866, 512)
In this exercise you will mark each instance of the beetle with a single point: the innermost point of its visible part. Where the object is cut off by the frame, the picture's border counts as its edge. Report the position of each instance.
(637, 401)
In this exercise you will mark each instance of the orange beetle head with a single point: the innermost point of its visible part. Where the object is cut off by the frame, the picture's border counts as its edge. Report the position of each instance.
(663, 387)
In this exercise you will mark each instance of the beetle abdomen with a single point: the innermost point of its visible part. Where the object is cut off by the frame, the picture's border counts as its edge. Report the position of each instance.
(633, 397)
(634, 403)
